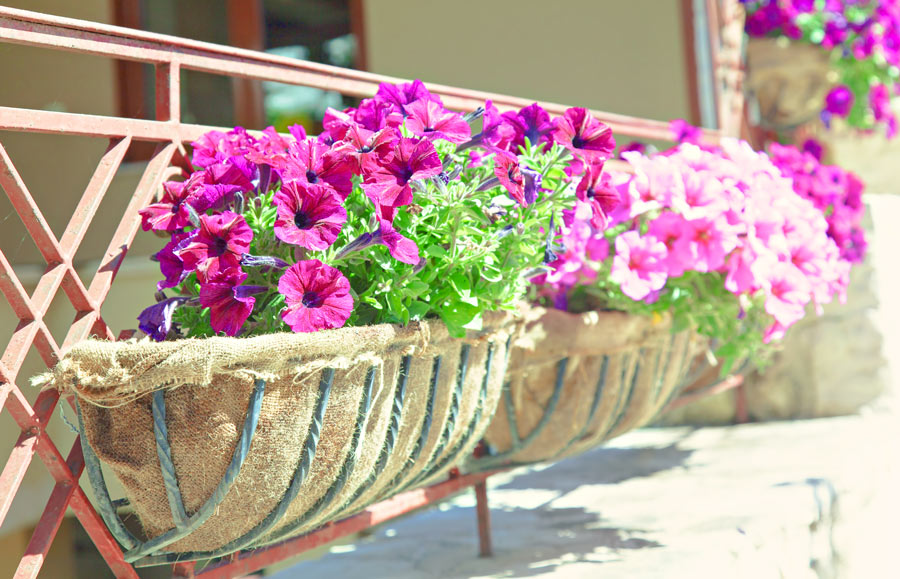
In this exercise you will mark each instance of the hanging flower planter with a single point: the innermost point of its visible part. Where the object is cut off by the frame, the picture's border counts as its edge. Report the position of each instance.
(226, 443)
(577, 380)
(787, 82)
(390, 244)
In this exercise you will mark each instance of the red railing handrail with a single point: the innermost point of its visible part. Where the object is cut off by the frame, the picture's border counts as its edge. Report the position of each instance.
(36, 29)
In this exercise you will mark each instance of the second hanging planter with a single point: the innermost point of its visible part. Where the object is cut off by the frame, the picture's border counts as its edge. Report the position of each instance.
(577, 380)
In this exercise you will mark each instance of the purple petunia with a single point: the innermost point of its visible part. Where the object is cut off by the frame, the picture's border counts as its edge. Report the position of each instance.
(310, 216)
(584, 135)
(388, 186)
(219, 244)
(317, 296)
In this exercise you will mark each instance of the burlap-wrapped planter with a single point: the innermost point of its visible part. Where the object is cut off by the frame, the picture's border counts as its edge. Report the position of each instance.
(787, 81)
(268, 437)
(576, 380)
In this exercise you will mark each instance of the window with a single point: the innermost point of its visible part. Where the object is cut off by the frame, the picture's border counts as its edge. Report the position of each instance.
(326, 31)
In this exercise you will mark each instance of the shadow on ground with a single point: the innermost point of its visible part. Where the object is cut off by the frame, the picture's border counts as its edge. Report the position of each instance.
(534, 531)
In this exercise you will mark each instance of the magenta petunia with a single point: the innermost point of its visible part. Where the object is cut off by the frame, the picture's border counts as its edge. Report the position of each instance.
(532, 122)
(584, 135)
(172, 266)
(365, 149)
(228, 301)
(314, 162)
(430, 120)
(388, 187)
(506, 169)
(596, 188)
(400, 95)
(401, 248)
(310, 216)
(171, 212)
(219, 244)
(639, 265)
(684, 132)
(317, 296)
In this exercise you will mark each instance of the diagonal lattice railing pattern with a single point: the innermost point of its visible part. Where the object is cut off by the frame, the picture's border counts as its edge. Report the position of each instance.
(169, 56)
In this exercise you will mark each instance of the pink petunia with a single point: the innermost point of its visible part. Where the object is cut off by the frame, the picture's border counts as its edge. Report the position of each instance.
(596, 188)
(219, 244)
(314, 162)
(229, 303)
(532, 122)
(787, 293)
(171, 212)
(705, 243)
(388, 186)
(639, 265)
(400, 95)
(317, 296)
(430, 120)
(506, 169)
(365, 149)
(584, 136)
(401, 248)
(310, 216)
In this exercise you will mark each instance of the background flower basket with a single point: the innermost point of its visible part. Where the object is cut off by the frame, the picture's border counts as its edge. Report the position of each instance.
(226, 443)
(576, 380)
(788, 81)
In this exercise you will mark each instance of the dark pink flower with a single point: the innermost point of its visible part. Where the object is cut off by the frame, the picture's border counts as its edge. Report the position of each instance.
(684, 132)
(400, 95)
(839, 101)
(375, 115)
(365, 149)
(388, 186)
(314, 162)
(310, 216)
(172, 266)
(532, 122)
(400, 248)
(584, 135)
(219, 244)
(430, 120)
(171, 212)
(596, 188)
(317, 296)
(506, 169)
(229, 303)
(496, 131)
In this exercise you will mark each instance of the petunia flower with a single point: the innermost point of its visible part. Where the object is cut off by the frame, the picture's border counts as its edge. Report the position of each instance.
(400, 95)
(639, 265)
(156, 320)
(364, 149)
(532, 122)
(430, 120)
(584, 135)
(310, 216)
(317, 296)
(314, 162)
(388, 187)
(839, 101)
(506, 169)
(219, 244)
(170, 264)
(596, 189)
(229, 302)
(171, 213)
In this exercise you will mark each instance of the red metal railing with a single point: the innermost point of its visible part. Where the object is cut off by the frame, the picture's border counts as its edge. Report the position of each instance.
(169, 55)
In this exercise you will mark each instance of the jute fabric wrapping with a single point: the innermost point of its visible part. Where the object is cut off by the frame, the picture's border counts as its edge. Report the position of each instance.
(617, 370)
(207, 385)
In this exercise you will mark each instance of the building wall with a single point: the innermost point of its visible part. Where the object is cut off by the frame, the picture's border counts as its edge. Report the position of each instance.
(623, 57)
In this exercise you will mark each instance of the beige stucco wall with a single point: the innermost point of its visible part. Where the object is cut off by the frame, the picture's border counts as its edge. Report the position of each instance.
(623, 57)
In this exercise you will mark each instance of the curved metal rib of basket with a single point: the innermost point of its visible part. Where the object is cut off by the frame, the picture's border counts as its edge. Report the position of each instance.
(621, 419)
(460, 436)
